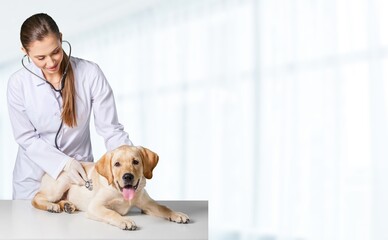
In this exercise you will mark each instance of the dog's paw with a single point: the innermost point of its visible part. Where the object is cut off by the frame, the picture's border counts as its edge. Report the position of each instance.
(69, 207)
(128, 224)
(54, 208)
(179, 217)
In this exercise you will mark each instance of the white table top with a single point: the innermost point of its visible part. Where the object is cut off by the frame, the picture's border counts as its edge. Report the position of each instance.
(20, 220)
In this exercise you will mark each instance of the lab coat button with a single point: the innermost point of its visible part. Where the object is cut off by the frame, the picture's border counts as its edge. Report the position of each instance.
(77, 157)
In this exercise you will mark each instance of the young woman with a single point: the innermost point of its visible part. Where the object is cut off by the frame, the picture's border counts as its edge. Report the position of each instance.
(50, 101)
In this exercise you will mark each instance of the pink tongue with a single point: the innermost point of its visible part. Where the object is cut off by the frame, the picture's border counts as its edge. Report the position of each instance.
(128, 193)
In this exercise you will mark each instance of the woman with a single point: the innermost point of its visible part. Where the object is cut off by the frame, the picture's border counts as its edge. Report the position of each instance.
(50, 102)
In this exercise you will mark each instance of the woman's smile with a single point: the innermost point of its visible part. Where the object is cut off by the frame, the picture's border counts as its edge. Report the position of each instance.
(53, 69)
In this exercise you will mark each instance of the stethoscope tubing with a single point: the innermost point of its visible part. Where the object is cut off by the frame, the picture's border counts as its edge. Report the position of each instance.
(56, 90)
(63, 75)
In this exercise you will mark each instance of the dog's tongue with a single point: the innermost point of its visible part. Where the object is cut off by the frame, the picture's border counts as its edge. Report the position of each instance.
(128, 193)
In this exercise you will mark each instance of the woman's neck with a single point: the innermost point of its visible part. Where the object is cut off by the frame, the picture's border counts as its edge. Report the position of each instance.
(54, 79)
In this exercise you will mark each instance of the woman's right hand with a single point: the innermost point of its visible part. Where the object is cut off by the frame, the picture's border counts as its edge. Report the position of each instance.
(75, 171)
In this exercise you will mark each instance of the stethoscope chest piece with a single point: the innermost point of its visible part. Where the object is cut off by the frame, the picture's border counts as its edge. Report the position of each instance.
(89, 184)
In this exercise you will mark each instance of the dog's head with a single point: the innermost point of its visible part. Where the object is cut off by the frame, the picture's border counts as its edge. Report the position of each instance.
(125, 167)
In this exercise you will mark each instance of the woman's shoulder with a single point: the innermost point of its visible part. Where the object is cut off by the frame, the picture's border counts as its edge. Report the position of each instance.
(83, 64)
(87, 71)
(19, 76)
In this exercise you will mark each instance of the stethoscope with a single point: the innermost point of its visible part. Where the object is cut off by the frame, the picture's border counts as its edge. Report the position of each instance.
(56, 90)
(88, 183)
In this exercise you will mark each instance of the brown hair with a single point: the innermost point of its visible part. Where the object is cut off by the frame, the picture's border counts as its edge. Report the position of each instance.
(35, 28)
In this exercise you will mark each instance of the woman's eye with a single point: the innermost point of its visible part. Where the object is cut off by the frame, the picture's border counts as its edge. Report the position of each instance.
(41, 58)
(135, 162)
(117, 164)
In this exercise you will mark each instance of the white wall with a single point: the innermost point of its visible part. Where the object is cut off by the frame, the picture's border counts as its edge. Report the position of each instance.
(274, 111)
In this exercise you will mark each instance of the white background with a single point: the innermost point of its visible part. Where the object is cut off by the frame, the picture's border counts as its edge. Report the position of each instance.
(275, 110)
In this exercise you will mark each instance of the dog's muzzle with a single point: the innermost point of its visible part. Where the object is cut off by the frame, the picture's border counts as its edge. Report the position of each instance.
(129, 190)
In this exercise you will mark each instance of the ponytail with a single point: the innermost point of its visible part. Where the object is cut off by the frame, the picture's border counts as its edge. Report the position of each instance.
(69, 113)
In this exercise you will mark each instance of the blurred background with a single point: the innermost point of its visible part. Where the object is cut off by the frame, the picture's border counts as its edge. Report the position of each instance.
(275, 111)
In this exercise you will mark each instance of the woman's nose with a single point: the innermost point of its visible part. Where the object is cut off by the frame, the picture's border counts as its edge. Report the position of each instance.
(50, 62)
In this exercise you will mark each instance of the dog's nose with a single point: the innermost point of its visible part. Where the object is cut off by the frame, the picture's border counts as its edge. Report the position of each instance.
(128, 177)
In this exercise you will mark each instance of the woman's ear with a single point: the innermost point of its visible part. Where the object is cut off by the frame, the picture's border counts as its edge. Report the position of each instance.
(103, 167)
(150, 159)
(24, 50)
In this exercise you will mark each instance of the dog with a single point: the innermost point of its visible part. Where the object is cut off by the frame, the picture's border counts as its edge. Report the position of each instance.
(118, 178)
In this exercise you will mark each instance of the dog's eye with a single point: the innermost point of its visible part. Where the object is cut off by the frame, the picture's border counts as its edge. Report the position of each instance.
(135, 162)
(117, 164)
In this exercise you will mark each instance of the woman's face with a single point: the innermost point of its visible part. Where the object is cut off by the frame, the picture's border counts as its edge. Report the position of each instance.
(46, 54)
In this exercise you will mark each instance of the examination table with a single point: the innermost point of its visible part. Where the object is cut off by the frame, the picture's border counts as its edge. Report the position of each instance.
(20, 220)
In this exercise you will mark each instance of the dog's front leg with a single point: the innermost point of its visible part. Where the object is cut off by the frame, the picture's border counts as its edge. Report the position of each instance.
(151, 207)
(100, 213)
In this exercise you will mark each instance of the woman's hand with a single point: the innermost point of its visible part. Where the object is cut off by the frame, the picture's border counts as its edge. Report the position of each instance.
(76, 172)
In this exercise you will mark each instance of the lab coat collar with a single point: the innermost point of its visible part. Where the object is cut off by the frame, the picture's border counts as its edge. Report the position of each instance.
(40, 82)
(37, 81)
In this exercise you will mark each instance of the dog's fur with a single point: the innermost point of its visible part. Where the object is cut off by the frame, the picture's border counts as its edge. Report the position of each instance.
(106, 201)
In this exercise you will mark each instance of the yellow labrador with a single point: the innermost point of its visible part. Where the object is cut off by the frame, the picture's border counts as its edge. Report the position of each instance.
(119, 178)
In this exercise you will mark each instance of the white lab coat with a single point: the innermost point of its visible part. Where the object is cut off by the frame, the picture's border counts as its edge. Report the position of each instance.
(35, 114)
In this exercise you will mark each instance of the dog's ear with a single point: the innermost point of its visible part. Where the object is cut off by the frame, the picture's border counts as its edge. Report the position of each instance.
(150, 159)
(104, 168)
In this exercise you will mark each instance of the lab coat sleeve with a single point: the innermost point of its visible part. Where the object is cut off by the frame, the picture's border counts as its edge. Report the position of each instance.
(105, 113)
(46, 156)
